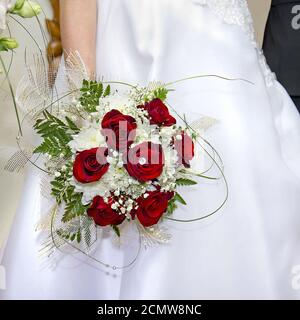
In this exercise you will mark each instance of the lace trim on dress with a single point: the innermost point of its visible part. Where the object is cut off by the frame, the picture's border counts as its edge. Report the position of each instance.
(237, 12)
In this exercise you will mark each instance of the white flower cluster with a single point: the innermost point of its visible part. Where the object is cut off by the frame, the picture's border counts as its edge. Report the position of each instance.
(89, 137)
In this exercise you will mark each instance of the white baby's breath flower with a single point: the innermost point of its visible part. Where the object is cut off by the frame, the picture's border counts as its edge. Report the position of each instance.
(87, 138)
(115, 153)
(120, 164)
(179, 137)
(168, 176)
(152, 187)
(110, 160)
(143, 133)
(114, 206)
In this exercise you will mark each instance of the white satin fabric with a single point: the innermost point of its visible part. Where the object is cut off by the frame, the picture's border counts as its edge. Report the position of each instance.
(248, 250)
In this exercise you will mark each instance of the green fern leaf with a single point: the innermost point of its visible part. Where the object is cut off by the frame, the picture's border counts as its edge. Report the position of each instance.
(74, 208)
(185, 182)
(107, 91)
(179, 198)
(72, 125)
(91, 92)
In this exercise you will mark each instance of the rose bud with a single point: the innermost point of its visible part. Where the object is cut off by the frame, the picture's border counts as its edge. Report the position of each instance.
(8, 44)
(26, 9)
(159, 113)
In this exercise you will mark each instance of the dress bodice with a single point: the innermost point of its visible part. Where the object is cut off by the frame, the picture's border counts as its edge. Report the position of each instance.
(231, 12)
(237, 12)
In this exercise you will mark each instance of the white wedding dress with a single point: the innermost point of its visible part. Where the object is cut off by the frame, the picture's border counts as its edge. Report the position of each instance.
(251, 247)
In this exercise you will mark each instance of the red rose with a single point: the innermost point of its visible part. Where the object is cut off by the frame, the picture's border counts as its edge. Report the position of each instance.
(145, 161)
(185, 149)
(159, 113)
(90, 165)
(151, 209)
(119, 130)
(103, 214)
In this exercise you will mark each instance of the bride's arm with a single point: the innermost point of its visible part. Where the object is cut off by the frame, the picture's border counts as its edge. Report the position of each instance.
(78, 20)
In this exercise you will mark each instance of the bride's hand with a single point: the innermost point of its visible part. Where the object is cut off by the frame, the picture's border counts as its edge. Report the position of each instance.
(78, 21)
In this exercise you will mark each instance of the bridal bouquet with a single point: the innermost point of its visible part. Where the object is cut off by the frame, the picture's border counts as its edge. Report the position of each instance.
(120, 157)
(113, 157)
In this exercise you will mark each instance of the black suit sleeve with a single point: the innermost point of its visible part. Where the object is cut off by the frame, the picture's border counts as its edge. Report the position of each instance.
(282, 43)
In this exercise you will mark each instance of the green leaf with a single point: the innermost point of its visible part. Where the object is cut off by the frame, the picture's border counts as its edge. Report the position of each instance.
(171, 206)
(161, 93)
(194, 136)
(56, 135)
(179, 198)
(185, 182)
(59, 190)
(116, 230)
(55, 147)
(72, 125)
(70, 235)
(91, 92)
(73, 236)
(78, 236)
(107, 91)
(74, 208)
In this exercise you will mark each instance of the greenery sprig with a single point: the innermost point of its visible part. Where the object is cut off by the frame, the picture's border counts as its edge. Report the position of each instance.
(56, 135)
(91, 92)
